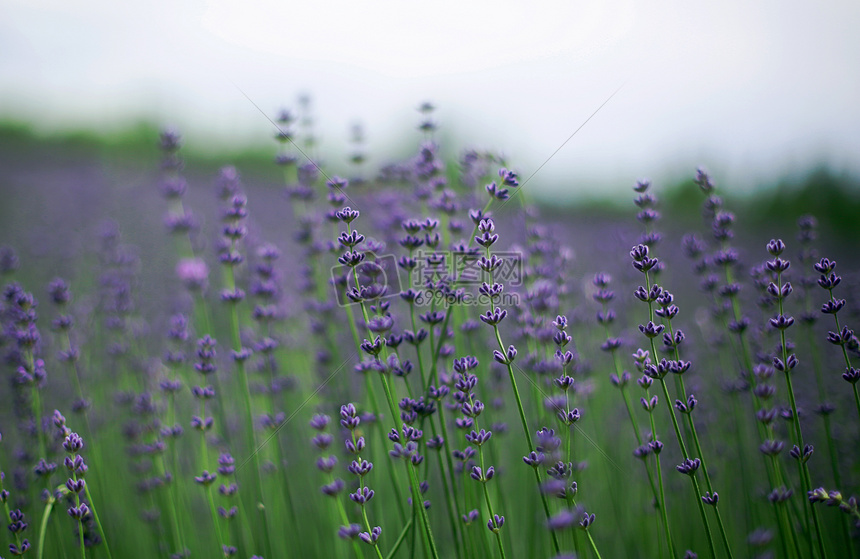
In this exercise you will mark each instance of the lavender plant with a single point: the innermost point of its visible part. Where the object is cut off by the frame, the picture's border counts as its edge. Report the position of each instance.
(377, 290)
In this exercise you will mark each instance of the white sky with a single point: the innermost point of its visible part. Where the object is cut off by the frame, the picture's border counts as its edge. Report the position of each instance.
(749, 89)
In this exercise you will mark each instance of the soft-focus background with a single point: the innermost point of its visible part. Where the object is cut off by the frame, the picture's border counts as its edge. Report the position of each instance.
(758, 92)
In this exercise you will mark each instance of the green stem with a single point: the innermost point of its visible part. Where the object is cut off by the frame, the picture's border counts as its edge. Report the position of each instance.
(722, 529)
(97, 519)
(663, 512)
(46, 514)
(704, 517)
(856, 398)
(593, 545)
(450, 490)
(214, 514)
(782, 522)
(171, 509)
(399, 541)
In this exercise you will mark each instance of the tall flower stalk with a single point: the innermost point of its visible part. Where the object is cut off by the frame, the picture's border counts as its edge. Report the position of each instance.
(16, 521)
(843, 336)
(334, 486)
(234, 230)
(359, 467)
(786, 362)
(436, 287)
(654, 445)
(619, 378)
(377, 350)
(471, 408)
(76, 484)
(490, 263)
(372, 290)
(672, 340)
(756, 377)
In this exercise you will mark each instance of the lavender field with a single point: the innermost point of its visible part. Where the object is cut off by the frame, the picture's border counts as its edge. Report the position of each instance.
(264, 358)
